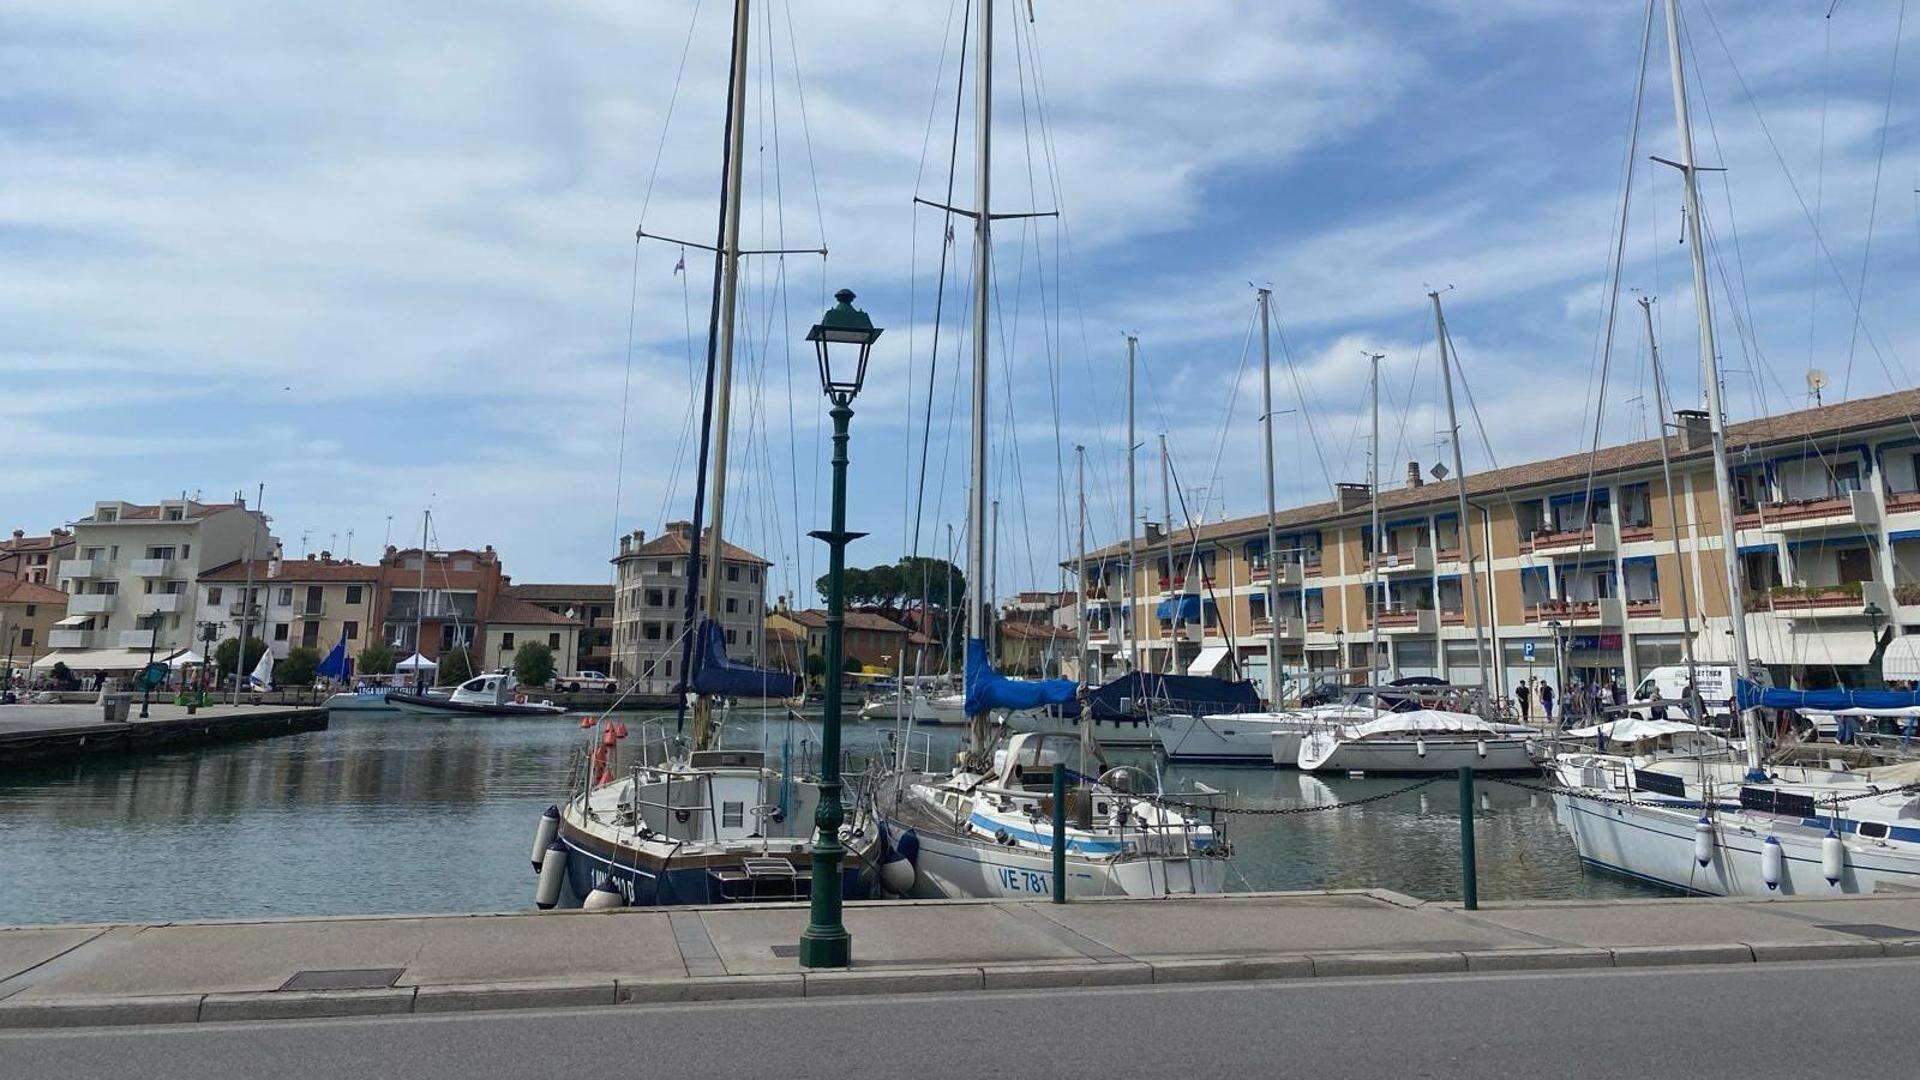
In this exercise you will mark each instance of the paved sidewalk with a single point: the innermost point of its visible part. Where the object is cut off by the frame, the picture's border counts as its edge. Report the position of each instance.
(184, 972)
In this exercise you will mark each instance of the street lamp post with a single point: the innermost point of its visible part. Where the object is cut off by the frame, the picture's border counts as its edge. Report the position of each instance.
(843, 338)
(1559, 671)
(146, 676)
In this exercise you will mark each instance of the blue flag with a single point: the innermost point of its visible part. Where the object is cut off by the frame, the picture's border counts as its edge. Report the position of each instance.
(335, 665)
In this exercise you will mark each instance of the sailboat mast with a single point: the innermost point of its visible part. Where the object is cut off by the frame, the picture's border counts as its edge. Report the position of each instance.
(1273, 587)
(1710, 372)
(420, 601)
(723, 377)
(1133, 516)
(1379, 542)
(982, 268)
(1166, 508)
(1460, 494)
(1673, 507)
(1080, 568)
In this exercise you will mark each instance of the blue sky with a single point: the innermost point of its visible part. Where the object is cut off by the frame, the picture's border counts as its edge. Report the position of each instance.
(381, 256)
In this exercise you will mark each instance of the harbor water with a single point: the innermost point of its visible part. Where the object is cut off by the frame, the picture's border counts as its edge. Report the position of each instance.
(385, 814)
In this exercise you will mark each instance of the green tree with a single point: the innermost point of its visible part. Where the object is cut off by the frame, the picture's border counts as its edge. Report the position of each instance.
(297, 669)
(533, 663)
(228, 652)
(456, 667)
(375, 659)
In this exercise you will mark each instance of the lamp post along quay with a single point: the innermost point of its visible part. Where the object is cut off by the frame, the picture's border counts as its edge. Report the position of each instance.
(842, 338)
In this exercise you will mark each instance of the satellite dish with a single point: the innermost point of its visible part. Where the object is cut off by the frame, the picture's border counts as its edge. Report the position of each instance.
(1816, 380)
(1439, 471)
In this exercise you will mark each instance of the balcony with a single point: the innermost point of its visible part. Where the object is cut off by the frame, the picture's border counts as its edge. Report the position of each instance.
(80, 569)
(1292, 628)
(1643, 609)
(1845, 601)
(69, 639)
(1606, 611)
(154, 568)
(1417, 561)
(1847, 510)
(307, 611)
(1311, 565)
(1600, 538)
(90, 603)
(161, 603)
(1288, 573)
(1409, 621)
(136, 639)
(1902, 501)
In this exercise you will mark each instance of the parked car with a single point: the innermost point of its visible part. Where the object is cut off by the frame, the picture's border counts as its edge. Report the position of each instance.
(587, 680)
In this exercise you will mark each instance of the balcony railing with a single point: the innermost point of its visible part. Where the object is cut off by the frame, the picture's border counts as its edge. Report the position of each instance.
(1643, 609)
(90, 603)
(1843, 600)
(137, 639)
(80, 568)
(161, 603)
(1423, 620)
(1601, 536)
(1606, 611)
(1903, 500)
(1828, 511)
(1417, 561)
(153, 568)
(1632, 533)
(1291, 627)
(69, 639)
(1288, 572)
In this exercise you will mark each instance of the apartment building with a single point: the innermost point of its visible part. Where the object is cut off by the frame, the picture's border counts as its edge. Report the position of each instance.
(130, 577)
(591, 606)
(451, 595)
(514, 622)
(1577, 564)
(873, 641)
(312, 602)
(650, 604)
(29, 611)
(34, 558)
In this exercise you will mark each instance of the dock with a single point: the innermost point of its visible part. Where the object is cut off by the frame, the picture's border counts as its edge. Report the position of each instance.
(164, 972)
(33, 734)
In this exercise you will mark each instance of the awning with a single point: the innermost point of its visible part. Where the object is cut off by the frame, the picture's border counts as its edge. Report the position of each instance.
(1209, 660)
(75, 620)
(1902, 659)
(94, 660)
(1180, 607)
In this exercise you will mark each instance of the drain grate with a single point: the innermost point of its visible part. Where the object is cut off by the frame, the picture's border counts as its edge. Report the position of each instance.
(1872, 930)
(344, 979)
(785, 950)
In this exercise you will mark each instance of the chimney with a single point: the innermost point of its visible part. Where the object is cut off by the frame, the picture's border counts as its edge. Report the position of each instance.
(1155, 533)
(20, 534)
(1413, 474)
(326, 556)
(681, 529)
(626, 545)
(1695, 432)
(1352, 497)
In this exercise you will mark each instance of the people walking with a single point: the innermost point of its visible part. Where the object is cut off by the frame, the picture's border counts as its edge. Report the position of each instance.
(1523, 695)
(1546, 702)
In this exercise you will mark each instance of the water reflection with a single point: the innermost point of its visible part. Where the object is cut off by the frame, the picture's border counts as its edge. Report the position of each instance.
(417, 815)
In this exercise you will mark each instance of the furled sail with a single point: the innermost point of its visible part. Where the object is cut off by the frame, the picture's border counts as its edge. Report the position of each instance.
(1753, 695)
(714, 673)
(987, 689)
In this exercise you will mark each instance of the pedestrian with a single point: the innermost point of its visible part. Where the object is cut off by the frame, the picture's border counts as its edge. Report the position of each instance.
(1619, 693)
(1522, 695)
(1546, 702)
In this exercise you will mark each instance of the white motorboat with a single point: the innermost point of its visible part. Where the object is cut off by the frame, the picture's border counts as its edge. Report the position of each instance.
(1421, 741)
(1252, 738)
(969, 834)
(483, 695)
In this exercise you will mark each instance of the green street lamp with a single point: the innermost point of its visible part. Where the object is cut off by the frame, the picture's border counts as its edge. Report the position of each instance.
(843, 338)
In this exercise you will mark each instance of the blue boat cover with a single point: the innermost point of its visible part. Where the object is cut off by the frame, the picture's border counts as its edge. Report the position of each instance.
(1199, 694)
(987, 689)
(1180, 607)
(713, 673)
(1752, 695)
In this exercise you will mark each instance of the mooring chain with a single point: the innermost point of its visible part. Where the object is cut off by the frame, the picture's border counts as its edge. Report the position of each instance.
(1577, 793)
(1281, 811)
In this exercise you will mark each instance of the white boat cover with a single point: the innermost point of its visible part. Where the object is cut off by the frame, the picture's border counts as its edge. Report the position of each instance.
(1427, 722)
(1634, 729)
(1901, 661)
(1208, 661)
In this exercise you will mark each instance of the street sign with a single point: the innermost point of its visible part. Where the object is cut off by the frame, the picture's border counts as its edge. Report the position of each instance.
(1526, 651)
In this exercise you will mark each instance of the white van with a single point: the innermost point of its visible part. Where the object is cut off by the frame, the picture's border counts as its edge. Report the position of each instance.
(1713, 680)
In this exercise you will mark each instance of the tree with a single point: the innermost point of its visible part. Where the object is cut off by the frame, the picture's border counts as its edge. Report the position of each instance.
(896, 587)
(456, 667)
(375, 659)
(228, 652)
(533, 663)
(297, 669)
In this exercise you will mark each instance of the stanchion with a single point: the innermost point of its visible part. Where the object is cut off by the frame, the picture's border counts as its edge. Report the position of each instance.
(1469, 876)
(1059, 833)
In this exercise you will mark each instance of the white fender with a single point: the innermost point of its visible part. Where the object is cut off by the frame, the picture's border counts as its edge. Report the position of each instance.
(544, 833)
(604, 897)
(553, 874)
(1771, 860)
(1703, 841)
(1833, 858)
(1420, 747)
(1481, 746)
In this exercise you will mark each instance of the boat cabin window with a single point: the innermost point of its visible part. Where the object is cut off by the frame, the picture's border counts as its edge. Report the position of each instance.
(732, 815)
(478, 685)
(1873, 830)
(726, 759)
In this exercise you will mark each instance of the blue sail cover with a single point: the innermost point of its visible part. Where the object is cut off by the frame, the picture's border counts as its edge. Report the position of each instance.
(1198, 694)
(713, 673)
(1752, 695)
(987, 689)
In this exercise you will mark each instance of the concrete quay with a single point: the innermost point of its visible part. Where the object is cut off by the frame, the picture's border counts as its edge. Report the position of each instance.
(171, 973)
(32, 734)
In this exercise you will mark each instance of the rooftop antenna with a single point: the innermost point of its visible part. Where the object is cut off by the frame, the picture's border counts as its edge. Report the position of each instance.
(1816, 382)
(349, 545)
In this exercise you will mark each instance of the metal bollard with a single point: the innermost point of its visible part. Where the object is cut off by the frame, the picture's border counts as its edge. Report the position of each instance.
(1469, 875)
(1059, 833)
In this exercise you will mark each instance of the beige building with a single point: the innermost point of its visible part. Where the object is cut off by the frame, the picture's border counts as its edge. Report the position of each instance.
(514, 622)
(875, 642)
(29, 612)
(313, 602)
(1576, 561)
(130, 578)
(649, 611)
(34, 558)
(589, 605)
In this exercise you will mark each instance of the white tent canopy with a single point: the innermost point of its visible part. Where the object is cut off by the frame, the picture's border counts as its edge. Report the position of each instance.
(416, 662)
(186, 659)
(94, 660)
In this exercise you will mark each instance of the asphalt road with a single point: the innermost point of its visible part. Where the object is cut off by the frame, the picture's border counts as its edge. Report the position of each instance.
(1741, 1021)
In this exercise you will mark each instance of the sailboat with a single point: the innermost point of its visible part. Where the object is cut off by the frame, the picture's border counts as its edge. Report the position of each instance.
(1707, 818)
(692, 821)
(979, 829)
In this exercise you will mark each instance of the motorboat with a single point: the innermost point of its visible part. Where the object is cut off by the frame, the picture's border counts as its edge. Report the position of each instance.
(1421, 741)
(1250, 738)
(369, 695)
(482, 695)
(989, 834)
(918, 706)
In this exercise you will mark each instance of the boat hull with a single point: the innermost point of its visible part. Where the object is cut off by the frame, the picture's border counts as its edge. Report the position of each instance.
(360, 703)
(958, 867)
(647, 882)
(422, 705)
(1398, 756)
(1221, 739)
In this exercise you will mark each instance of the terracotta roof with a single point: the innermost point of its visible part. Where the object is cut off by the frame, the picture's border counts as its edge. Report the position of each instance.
(815, 619)
(1829, 420)
(1033, 631)
(520, 613)
(29, 592)
(562, 592)
(16, 544)
(674, 543)
(782, 633)
(306, 570)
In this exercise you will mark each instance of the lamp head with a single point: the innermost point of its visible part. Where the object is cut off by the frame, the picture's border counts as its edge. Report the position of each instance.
(843, 339)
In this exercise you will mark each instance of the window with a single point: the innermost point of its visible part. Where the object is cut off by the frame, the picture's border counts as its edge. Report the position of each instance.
(553, 641)
(730, 637)
(286, 596)
(280, 632)
(506, 640)
(213, 594)
(31, 608)
(160, 553)
(733, 605)
(26, 632)
(186, 551)
(353, 594)
(173, 513)
(651, 631)
(753, 575)
(656, 598)
(733, 815)
(663, 567)
(733, 573)
(352, 631)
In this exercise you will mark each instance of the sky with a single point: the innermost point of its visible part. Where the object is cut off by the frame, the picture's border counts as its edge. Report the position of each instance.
(381, 257)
